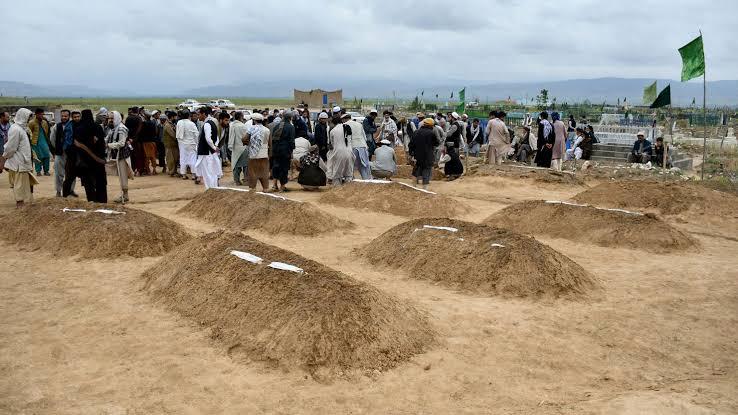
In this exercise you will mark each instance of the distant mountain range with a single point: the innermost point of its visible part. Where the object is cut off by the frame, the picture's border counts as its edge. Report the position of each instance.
(719, 93)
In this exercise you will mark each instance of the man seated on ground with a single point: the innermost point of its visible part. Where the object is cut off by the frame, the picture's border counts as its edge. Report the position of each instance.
(312, 170)
(384, 165)
(302, 147)
(658, 154)
(642, 151)
(523, 148)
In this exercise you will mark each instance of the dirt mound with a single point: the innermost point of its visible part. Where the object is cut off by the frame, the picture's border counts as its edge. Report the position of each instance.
(604, 227)
(319, 319)
(406, 172)
(525, 172)
(478, 258)
(90, 234)
(393, 197)
(666, 198)
(265, 212)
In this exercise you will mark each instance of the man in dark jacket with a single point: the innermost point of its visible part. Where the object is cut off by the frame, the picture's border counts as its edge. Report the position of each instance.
(321, 135)
(283, 142)
(642, 151)
(370, 129)
(60, 131)
(421, 148)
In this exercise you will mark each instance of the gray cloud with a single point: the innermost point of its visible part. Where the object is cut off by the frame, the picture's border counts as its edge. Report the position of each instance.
(160, 47)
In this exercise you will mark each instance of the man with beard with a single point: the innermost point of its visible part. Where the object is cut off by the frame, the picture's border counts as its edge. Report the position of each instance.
(187, 137)
(171, 148)
(208, 166)
(321, 135)
(58, 134)
(370, 131)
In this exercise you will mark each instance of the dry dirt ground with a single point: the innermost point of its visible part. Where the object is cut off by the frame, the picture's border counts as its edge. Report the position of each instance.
(81, 337)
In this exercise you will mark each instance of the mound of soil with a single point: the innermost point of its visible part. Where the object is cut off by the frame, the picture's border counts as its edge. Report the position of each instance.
(264, 212)
(394, 198)
(666, 198)
(45, 225)
(525, 172)
(319, 319)
(406, 172)
(478, 258)
(604, 227)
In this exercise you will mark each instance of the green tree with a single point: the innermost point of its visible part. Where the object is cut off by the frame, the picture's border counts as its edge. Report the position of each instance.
(542, 99)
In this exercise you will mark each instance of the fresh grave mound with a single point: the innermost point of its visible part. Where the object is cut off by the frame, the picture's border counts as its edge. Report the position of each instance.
(406, 172)
(243, 209)
(276, 306)
(71, 227)
(601, 226)
(393, 197)
(522, 171)
(478, 258)
(666, 198)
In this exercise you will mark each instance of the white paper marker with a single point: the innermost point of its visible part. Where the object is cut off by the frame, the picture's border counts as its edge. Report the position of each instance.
(247, 257)
(73, 210)
(110, 212)
(286, 267)
(497, 246)
(441, 228)
(230, 188)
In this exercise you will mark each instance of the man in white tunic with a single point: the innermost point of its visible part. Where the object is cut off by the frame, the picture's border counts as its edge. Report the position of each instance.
(187, 137)
(340, 154)
(359, 147)
(209, 166)
(239, 154)
(17, 159)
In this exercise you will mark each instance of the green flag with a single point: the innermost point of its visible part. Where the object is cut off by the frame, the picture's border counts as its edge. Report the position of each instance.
(461, 107)
(693, 59)
(663, 99)
(649, 94)
(462, 95)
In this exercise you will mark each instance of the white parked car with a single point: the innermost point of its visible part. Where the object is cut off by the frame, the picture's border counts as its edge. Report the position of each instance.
(190, 104)
(355, 116)
(222, 104)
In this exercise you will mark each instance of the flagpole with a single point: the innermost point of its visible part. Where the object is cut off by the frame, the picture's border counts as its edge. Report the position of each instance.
(704, 112)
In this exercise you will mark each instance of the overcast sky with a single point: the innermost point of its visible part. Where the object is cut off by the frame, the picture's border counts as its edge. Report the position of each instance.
(175, 45)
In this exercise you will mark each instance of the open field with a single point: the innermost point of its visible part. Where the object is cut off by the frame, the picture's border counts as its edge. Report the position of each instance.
(658, 336)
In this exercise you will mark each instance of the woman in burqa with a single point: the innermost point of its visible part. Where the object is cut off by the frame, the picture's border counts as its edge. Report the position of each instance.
(546, 139)
(89, 139)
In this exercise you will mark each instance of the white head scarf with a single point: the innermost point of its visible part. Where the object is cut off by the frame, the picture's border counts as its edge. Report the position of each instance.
(22, 116)
(117, 119)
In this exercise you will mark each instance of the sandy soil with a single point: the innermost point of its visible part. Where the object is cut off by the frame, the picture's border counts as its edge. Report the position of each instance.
(81, 337)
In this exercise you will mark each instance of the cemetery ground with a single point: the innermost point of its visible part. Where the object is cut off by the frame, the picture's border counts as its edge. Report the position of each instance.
(659, 334)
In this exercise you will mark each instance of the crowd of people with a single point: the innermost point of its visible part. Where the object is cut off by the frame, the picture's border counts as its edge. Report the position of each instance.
(277, 146)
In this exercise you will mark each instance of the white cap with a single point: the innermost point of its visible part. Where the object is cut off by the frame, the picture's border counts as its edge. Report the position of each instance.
(323, 116)
(257, 117)
(336, 109)
(386, 142)
(247, 117)
(455, 115)
(643, 133)
(372, 111)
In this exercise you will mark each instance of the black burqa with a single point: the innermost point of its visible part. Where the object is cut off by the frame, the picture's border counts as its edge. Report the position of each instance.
(544, 154)
(89, 139)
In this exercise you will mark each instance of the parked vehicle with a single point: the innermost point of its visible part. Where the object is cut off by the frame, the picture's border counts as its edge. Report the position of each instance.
(190, 104)
(355, 116)
(222, 104)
